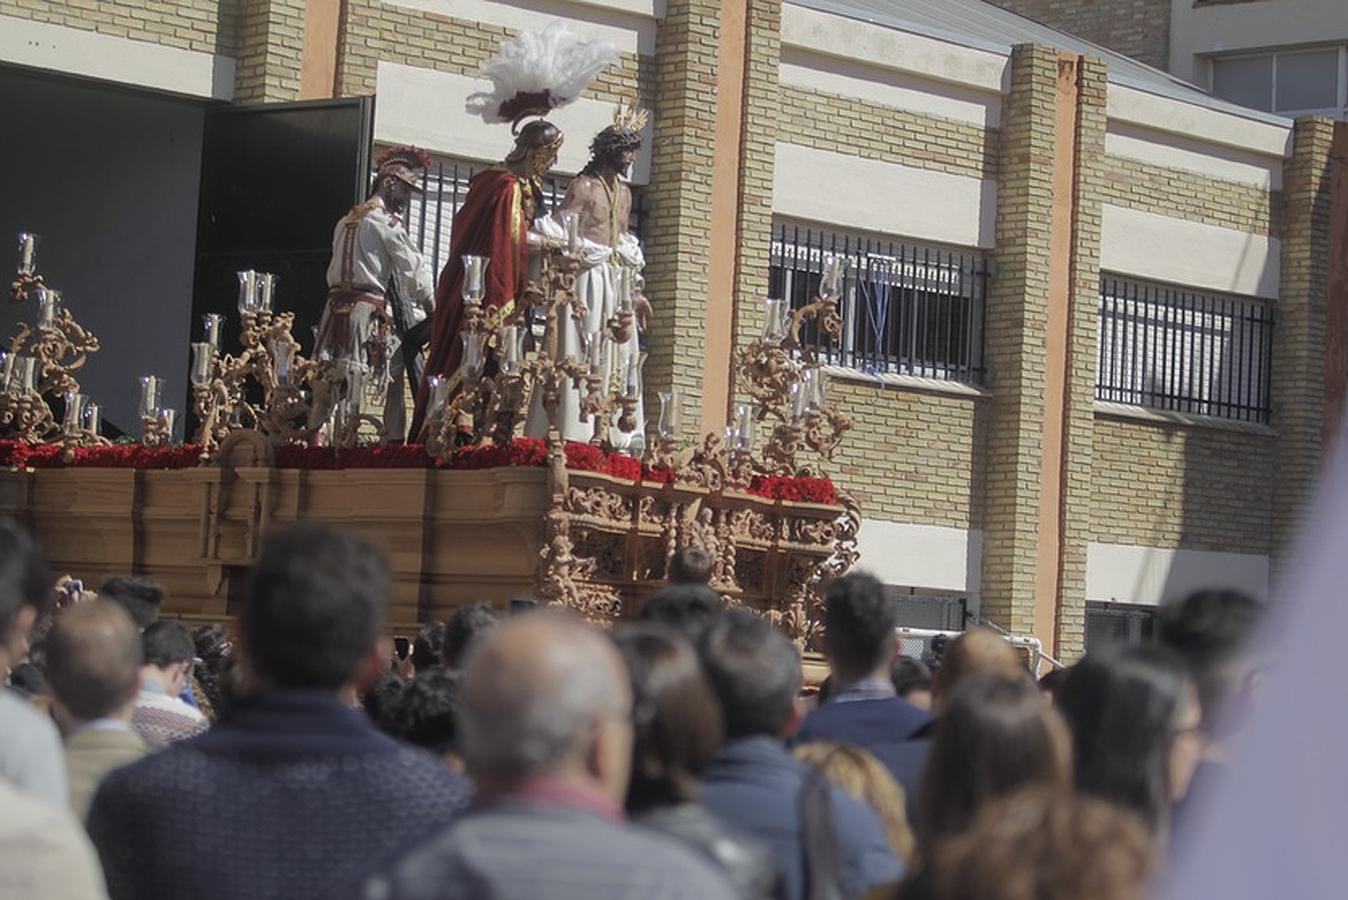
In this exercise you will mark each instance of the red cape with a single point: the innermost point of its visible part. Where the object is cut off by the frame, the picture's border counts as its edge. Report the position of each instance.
(490, 223)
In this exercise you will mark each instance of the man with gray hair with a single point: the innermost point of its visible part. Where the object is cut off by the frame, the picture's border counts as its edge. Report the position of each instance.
(546, 733)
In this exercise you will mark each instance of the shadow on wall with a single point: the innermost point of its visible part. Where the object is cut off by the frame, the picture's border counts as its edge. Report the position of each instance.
(109, 178)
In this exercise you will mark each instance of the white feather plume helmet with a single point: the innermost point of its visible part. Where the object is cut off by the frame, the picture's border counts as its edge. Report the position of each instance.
(538, 71)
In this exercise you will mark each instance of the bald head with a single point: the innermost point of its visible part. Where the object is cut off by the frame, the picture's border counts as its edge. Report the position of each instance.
(978, 651)
(547, 694)
(93, 660)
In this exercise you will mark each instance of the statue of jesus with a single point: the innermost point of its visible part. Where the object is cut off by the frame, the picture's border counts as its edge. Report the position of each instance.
(602, 203)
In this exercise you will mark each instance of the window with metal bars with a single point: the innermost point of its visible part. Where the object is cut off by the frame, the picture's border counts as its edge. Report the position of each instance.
(430, 214)
(1179, 350)
(906, 309)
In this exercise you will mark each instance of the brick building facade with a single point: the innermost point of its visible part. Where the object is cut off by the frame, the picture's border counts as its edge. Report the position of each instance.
(1025, 175)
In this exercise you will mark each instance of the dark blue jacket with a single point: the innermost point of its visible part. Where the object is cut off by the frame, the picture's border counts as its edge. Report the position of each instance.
(290, 795)
(891, 728)
(755, 785)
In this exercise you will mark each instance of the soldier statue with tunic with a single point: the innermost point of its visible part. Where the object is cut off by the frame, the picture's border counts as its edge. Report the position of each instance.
(373, 259)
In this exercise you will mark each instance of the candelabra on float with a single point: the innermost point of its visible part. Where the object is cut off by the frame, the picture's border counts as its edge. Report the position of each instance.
(42, 359)
(270, 359)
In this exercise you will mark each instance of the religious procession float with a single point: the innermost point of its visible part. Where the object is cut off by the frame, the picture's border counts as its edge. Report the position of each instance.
(528, 471)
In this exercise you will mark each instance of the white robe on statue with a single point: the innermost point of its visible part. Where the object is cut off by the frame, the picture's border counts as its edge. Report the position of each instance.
(597, 285)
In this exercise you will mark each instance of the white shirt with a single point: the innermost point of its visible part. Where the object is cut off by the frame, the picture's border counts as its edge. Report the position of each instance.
(31, 757)
(382, 252)
(44, 852)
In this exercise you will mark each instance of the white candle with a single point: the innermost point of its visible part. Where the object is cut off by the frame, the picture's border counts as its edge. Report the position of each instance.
(511, 349)
(571, 222)
(247, 291)
(474, 270)
(266, 289)
(48, 305)
(6, 369)
(774, 312)
(93, 418)
(151, 391)
(213, 324)
(27, 253)
(744, 427)
(282, 353)
(74, 416)
(203, 357)
(830, 283)
(632, 376)
(167, 419)
(27, 372)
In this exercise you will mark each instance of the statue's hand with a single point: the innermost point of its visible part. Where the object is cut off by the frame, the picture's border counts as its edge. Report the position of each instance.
(642, 307)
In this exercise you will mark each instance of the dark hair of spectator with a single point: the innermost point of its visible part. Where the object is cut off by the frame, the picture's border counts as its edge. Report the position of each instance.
(381, 700)
(995, 735)
(859, 623)
(93, 659)
(675, 713)
(317, 599)
(690, 565)
(140, 597)
(689, 609)
(1040, 844)
(425, 713)
(428, 645)
(1123, 708)
(28, 679)
(1211, 631)
(755, 671)
(909, 674)
(167, 643)
(1052, 681)
(213, 649)
(465, 627)
(25, 579)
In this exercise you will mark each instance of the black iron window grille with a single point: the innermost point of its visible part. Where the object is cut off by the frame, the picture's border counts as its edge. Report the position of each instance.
(906, 310)
(445, 185)
(1178, 350)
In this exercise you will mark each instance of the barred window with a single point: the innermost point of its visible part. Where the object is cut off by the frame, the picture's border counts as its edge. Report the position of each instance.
(445, 185)
(907, 310)
(1178, 350)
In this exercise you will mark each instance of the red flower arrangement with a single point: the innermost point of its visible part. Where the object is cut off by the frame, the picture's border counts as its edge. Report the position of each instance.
(522, 452)
(798, 489)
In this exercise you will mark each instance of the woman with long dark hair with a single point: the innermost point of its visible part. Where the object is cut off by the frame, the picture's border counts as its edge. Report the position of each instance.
(1134, 716)
(995, 735)
(678, 730)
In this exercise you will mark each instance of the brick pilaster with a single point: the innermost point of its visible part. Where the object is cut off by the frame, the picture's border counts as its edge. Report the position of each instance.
(1083, 336)
(271, 51)
(758, 150)
(679, 197)
(1299, 332)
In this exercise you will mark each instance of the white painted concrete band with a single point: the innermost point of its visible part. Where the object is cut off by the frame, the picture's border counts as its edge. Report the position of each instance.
(425, 108)
(1191, 154)
(931, 557)
(890, 199)
(1192, 254)
(1175, 116)
(1149, 576)
(889, 48)
(629, 25)
(74, 51)
(890, 87)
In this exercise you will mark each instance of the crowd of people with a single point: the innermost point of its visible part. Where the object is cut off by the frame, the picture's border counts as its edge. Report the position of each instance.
(529, 754)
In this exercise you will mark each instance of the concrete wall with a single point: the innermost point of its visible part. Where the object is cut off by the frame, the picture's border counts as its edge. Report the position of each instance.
(1196, 31)
(110, 181)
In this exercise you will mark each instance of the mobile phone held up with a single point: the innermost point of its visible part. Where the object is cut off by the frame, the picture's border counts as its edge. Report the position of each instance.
(402, 646)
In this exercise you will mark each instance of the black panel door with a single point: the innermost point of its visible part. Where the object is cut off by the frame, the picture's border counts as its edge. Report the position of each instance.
(275, 178)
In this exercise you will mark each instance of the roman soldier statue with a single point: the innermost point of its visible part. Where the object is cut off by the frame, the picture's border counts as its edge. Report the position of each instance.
(373, 259)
